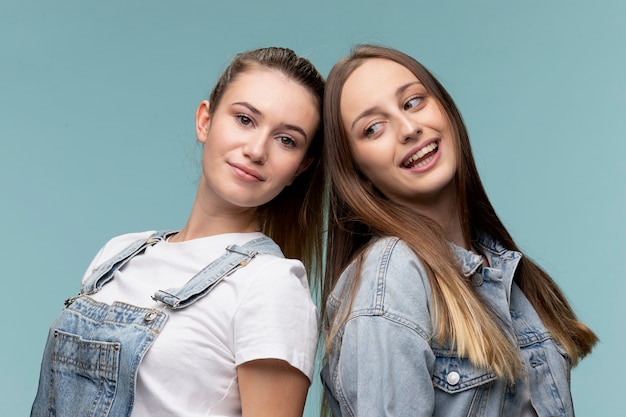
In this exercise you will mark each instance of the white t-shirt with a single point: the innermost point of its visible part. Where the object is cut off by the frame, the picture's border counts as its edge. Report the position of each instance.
(263, 310)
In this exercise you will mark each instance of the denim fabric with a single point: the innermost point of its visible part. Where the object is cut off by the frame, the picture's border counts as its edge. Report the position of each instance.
(384, 362)
(93, 351)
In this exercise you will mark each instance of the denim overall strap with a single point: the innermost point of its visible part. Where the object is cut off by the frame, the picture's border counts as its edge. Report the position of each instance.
(104, 273)
(204, 281)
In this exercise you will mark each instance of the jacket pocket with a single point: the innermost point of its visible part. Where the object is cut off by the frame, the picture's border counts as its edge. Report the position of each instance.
(83, 375)
(453, 374)
(461, 389)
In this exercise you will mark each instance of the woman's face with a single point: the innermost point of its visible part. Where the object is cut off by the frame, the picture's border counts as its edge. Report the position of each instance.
(256, 141)
(399, 136)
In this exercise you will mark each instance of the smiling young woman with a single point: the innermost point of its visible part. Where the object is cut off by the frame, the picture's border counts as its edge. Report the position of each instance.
(399, 135)
(211, 319)
(431, 308)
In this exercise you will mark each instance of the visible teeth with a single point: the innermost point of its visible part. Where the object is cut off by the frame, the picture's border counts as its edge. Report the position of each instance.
(424, 162)
(420, 154)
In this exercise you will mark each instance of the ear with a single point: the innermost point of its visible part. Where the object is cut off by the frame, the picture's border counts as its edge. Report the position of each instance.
(203, 121)
(303, 167)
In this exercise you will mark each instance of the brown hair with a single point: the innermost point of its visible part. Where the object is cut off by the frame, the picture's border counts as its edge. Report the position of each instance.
(358, 212)
(295, 218)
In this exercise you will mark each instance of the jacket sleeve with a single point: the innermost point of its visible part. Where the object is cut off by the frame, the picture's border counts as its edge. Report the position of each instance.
(384, 368)
(381, 362)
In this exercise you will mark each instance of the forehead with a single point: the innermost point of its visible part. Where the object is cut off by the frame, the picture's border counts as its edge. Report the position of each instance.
(265, 86)
(278, 97)
(374, 79)
(259, 80)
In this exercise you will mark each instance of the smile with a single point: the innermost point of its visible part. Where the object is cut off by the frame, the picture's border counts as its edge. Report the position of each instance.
(422, 156)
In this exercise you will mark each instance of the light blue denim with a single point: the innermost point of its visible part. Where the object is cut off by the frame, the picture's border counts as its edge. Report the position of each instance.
(93, 351)
(384, 362)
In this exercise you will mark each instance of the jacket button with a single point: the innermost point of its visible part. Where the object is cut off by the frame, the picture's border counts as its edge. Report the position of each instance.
(453, 378)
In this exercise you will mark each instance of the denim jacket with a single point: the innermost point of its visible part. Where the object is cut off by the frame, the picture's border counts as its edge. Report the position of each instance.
(384, 361)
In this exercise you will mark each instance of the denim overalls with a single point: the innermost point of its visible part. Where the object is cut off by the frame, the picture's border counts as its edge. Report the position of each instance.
(93, 351)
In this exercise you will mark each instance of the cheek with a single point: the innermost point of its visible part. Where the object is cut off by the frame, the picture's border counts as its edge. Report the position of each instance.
(289, 166)
(360, 158)
(369, 155)
(372, 171)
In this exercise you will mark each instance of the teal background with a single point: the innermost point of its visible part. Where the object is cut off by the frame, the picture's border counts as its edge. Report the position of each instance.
(97, 103)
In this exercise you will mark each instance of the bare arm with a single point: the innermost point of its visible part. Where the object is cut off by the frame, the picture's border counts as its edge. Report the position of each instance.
(271, 387)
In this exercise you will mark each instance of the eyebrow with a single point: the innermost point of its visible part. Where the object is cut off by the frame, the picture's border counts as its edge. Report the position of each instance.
(259, 113)
(372, 110)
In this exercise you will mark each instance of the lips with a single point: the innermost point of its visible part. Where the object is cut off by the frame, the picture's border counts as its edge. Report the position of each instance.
(246, 172)
(422, 156)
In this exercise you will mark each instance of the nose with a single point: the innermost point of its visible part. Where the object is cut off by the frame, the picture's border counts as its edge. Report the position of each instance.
(409, 128)
(256, 149)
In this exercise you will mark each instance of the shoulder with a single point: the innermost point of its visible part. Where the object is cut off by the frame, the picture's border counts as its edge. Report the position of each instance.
(390, 252)
(390, 261)
(275, 274)
(270, 278)
(121, 241)
(272, 286)
(390, 281)
(114, 246)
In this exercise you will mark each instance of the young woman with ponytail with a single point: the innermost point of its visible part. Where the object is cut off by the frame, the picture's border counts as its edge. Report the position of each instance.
(214, 318)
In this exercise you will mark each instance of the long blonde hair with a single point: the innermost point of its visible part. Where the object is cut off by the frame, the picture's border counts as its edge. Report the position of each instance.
(358, 212)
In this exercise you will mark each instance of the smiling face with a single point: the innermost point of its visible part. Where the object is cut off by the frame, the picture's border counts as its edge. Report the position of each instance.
(256, 141)
(399, 136)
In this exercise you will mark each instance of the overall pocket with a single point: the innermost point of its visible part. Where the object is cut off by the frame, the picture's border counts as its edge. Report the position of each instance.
(83, 375)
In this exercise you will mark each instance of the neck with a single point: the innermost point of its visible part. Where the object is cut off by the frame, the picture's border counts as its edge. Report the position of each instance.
(444, 211)
(209, 220)
(454, 232)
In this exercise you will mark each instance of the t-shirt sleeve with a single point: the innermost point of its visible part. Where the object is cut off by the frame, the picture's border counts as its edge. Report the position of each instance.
(277, 318)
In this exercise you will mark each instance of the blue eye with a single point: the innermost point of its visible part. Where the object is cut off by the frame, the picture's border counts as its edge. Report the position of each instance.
(413, 102)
